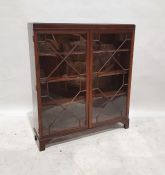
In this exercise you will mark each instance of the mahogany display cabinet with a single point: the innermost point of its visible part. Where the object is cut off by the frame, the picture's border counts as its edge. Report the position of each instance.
(81, 78)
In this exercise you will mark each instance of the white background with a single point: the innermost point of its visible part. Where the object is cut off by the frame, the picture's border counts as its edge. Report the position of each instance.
(148, 81)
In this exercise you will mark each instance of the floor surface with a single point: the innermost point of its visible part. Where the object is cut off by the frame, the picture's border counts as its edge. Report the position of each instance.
(139, 150)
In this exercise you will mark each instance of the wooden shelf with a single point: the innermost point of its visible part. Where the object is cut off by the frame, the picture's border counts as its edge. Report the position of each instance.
(109, 94)
(83, 52)
(60, 101)
(110, 51)
(62, 53)
(110, 73)
(80, 77)
(62, 78)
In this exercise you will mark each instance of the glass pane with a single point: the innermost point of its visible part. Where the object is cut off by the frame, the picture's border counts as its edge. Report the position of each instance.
(63, 81)
(110, 75)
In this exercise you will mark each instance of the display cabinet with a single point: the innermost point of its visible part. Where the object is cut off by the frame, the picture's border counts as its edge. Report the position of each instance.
(81, 78)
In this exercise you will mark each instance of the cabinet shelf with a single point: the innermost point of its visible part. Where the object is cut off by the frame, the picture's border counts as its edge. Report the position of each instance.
(109, 94)
(62, 78)
(110, 73)
(81, 76)
(110, 51)
(61, 101)
(82, 52)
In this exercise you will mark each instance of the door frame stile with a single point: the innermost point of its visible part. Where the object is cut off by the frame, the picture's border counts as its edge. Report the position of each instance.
(90, 77)
(130, 73)
(38, 86)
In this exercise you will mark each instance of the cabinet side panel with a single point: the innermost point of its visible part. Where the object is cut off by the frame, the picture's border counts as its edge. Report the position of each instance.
(33, 76)
(130, 72)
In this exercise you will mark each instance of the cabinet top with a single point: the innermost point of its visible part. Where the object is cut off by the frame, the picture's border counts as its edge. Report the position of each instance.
(43, 26)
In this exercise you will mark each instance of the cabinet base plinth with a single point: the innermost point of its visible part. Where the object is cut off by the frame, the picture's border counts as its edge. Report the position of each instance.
(55, 139)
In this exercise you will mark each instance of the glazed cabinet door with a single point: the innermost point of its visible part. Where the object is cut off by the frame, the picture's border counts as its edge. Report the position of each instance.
(111, 59)
(62, 61)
